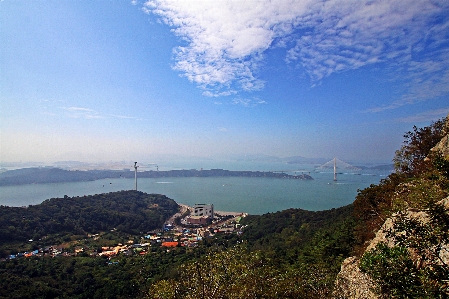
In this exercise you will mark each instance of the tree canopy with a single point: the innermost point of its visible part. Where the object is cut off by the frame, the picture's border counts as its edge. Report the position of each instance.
(130, 212)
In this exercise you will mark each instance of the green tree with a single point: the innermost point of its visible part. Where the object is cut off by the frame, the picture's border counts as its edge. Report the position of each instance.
(237, 273)
(410, 158)
(393, 270)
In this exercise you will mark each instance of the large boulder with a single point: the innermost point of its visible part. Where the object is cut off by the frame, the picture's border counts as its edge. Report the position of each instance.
(351, 283)
(443, 145)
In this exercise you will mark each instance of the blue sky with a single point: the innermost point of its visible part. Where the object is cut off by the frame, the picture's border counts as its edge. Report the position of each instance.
(127, 80)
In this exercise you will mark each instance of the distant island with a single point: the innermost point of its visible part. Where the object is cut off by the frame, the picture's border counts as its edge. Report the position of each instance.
(41, 175)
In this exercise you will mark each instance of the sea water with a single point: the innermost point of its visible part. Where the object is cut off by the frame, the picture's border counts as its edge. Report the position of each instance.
(236, 194)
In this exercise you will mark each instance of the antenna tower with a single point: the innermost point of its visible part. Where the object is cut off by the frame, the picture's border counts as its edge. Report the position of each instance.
(135, 175)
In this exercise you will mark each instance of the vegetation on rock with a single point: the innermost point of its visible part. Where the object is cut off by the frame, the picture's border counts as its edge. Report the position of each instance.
(416, 265)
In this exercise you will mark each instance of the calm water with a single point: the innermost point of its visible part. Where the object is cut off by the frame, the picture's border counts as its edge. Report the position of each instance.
(250, 195)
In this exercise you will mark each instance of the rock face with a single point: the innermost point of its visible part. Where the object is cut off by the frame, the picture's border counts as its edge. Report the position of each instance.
(352, 283)
(443, 145)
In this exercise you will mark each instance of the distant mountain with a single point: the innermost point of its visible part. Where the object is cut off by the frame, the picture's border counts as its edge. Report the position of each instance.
(256, 157)
(287, 160)
(304, 160)
(383, 167)
(40, 175)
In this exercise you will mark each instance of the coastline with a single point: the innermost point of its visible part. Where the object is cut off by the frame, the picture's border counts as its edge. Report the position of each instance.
(235, 214)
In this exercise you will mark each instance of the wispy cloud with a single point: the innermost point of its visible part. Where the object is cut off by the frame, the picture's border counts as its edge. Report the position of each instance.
(248, 102)
(78, 109)
(431, 115)
(87, 113)
(209, 93)
(225, 41)
(80, 112)
(124, 117)
(425, 72)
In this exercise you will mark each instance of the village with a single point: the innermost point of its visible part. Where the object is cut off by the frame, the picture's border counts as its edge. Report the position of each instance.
(184, 229)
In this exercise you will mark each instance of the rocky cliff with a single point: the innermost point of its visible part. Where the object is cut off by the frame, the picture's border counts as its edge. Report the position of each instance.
(443, 146)
(351, 282)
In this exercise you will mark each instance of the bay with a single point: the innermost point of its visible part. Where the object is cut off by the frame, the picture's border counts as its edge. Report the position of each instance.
(238, 194)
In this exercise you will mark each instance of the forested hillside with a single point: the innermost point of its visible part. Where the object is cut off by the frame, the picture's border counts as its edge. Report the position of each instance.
(128, 212)
(292, 233)
(404, 223)
(288, 254)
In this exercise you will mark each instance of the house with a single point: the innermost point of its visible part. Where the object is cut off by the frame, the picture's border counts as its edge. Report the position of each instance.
(170, 244)
(198, 220)
(201, 209)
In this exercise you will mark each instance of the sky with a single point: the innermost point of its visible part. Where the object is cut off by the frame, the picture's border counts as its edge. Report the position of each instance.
(121, 80)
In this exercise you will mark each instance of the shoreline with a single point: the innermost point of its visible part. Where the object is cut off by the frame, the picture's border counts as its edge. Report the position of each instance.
(235, 214)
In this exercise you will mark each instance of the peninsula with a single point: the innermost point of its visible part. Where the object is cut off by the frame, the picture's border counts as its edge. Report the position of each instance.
(41, 175)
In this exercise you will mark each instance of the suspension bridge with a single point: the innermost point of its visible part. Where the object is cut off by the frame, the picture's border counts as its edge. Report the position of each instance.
(337, 164)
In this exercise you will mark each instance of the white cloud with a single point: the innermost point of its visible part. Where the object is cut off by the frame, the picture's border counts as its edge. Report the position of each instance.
(350, 34)
(225, 41)
(80, 112)
(248, 102)
(426, 73)
(87, 113)
(78, 109)
(124, 117)
(209, 93)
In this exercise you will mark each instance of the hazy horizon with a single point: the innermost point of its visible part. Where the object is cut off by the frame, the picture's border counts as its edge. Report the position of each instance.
(170, 162)
(130, 80)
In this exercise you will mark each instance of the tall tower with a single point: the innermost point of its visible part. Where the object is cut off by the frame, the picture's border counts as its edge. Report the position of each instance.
(135, 175)
(335, 169)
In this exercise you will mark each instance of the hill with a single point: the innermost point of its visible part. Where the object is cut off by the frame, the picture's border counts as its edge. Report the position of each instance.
(128, 212)
(40, 175)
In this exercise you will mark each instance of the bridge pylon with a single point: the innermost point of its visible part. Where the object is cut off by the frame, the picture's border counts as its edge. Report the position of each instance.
(337, 164)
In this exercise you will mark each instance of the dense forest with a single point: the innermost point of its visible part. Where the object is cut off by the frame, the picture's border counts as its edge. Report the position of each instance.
(56, 219)
(290, 236)
(287, 254)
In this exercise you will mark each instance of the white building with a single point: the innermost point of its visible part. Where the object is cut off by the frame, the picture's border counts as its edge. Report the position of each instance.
(201, 209)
